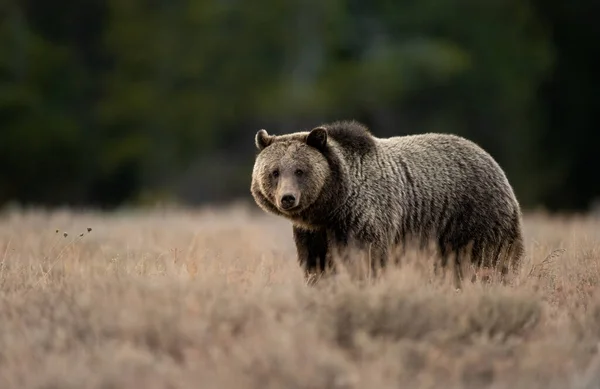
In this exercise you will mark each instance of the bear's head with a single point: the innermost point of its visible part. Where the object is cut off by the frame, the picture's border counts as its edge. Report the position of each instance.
(290, 171)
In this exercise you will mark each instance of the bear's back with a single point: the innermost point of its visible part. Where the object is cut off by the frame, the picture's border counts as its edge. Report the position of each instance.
(445, 158)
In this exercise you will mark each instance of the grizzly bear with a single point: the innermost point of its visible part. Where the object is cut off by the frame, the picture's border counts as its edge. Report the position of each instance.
(339, 185)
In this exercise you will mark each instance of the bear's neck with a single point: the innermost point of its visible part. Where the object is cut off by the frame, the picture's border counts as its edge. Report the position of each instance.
(323, 213)
(336, 195)
(333, 202)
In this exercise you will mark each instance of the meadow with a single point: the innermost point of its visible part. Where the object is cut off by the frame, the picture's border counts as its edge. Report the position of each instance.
(213, 298)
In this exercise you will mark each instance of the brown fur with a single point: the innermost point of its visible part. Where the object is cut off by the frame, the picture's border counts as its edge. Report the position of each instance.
(351, 188)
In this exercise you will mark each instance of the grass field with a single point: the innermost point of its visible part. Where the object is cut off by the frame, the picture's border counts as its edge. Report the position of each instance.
(214, 299)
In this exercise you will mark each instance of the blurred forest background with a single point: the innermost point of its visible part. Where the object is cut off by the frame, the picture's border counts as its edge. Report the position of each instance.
(113, 102)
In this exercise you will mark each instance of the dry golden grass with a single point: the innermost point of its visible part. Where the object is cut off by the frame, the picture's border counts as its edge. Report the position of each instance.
(214, 299)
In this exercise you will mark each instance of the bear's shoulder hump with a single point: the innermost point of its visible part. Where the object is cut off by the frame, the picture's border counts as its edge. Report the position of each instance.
(352, 136)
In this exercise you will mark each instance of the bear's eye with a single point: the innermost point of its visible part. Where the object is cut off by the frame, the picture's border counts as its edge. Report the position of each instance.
(299, 172)
(275, 173)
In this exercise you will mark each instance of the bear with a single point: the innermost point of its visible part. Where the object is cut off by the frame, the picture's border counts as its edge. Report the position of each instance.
(341, 186)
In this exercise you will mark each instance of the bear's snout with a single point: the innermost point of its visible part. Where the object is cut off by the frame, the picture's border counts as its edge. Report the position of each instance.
(288, 201)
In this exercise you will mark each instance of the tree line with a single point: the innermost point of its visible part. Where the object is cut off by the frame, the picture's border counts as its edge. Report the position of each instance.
(110, 102)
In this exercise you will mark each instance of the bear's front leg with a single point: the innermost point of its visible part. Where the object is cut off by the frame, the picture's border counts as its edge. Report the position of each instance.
(379, 257)
(311, 247)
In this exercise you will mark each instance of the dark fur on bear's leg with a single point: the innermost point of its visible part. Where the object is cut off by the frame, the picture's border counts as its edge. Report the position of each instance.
(379, 257)
(311, 247)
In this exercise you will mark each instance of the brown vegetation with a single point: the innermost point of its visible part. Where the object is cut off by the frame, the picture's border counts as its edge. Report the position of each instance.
(214, 299)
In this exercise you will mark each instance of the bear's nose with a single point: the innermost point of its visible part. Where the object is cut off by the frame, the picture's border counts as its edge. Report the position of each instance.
(288, 201)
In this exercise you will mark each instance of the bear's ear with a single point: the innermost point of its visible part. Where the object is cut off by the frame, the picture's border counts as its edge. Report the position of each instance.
(262, 139)
(317, 138)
